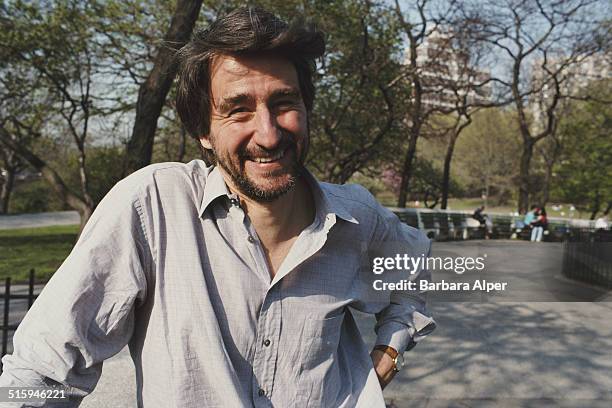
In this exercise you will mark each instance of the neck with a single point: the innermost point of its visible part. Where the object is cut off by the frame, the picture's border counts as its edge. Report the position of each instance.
(284, 218)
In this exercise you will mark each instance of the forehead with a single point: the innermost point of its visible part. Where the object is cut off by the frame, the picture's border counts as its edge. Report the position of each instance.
(250, 74)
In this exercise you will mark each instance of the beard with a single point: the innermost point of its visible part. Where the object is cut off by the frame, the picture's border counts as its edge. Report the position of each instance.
(277, 182)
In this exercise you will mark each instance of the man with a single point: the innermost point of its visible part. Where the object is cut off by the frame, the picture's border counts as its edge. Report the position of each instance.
(231, 283)
(482, 219)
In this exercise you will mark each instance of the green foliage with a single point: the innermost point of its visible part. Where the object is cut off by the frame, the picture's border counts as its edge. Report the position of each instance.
(358, 117)
(583, 176)
(34, 196)
(43, 249)
(487, 155)
(427, 183)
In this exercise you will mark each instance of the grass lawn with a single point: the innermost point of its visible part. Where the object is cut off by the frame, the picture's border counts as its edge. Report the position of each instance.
(43, 249)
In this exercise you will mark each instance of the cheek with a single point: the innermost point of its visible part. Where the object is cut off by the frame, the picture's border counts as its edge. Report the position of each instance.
(293, 121)
(229, 139)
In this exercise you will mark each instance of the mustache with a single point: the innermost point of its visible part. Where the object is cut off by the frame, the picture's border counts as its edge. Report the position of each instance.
(262, 153)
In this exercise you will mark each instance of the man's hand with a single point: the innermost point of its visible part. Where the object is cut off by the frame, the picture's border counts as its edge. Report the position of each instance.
(384, 366)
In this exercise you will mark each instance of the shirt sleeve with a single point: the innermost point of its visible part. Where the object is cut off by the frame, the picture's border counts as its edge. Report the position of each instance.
(85, 313)
(405, 320)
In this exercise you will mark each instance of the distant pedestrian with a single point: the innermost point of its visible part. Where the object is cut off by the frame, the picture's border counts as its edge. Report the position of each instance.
(538, 224)
(530, 215)
(481, 217)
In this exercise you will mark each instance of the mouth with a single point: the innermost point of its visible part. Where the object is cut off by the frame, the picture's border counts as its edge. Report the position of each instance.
(271, 159)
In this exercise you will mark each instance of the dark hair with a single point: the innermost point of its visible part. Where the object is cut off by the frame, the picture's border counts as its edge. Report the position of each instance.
(244, 31)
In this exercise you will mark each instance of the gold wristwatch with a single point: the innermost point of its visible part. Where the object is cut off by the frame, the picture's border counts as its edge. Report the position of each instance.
(398, 359)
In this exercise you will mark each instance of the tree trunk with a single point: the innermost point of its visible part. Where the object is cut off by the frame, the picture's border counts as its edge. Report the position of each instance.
(65, 194)
(596, 206)
(152, 93)
(85, 214)
(7, 188)
(447, 166)
(524, 181)
(608, 208)
(181, 152)
(546, 186)
(407, 167)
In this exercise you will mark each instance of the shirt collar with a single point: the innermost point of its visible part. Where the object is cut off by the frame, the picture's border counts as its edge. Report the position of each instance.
(214, 188)
(325, 203)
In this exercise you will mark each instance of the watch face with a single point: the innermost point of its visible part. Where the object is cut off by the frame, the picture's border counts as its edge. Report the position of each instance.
(399, 362)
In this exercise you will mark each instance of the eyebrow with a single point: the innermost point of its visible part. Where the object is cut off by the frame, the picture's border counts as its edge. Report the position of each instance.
(286, 92)
(228, 102)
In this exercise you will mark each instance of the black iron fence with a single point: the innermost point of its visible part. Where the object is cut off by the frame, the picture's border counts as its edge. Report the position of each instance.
(6, 297)
(587, 257)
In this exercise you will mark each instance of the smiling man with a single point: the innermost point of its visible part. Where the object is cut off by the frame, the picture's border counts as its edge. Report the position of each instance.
(232, 280)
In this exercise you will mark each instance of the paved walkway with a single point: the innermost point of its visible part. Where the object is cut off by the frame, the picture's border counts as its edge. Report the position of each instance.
(39, 220)
(546, 342)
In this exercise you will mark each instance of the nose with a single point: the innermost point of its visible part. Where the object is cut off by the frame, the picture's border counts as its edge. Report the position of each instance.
(267, 134)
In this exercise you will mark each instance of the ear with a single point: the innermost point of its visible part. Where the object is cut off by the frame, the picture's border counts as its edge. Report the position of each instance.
(205, 142)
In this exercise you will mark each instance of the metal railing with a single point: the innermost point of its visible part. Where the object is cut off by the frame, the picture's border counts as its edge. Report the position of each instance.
(587, 257)
(7, 296)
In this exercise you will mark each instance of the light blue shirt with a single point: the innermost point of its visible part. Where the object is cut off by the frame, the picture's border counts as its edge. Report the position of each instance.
(170, 264)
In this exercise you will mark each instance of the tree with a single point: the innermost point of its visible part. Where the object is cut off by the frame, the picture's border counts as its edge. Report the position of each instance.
(62, 73)
(438, 61)
(9, 167)
(360, 106)
(547, 38)
(488, 153)
(153, 91)
(582, 174)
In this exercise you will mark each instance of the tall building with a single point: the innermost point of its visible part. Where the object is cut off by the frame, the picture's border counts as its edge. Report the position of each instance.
(575, 80)
(446, 72)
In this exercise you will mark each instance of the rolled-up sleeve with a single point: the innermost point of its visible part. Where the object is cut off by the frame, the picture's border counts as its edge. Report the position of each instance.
(85, 313)
(406, 320)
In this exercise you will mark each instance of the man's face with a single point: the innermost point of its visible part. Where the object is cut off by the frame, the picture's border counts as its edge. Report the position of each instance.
(258, 129)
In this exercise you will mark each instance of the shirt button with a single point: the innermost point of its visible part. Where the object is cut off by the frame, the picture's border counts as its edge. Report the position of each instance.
(251, 239)
(261, 392)
(266, 343)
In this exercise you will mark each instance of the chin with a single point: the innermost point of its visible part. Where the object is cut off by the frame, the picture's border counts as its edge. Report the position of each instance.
(268, 190)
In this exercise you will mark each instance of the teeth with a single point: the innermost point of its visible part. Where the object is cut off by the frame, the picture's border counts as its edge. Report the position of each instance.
(269, 159)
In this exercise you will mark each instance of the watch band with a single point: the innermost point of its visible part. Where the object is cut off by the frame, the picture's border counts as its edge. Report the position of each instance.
(391, 352)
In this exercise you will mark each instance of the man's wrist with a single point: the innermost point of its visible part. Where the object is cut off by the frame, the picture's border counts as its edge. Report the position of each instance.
(391, 352)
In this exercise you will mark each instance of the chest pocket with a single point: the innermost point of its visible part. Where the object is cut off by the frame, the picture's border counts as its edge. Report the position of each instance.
(320, 380)
(321, 340)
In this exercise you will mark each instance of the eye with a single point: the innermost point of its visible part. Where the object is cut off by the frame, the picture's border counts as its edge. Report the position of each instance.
(238, 110)
(285, 104)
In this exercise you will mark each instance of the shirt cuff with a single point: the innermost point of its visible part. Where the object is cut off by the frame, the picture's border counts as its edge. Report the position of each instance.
(400, 337)
(395, 335)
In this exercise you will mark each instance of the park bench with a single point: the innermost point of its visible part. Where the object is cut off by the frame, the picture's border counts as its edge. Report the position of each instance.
(443, 225)
(458, 225)
(408, 216)
(428, 224)
(502, 226)
(557, 231)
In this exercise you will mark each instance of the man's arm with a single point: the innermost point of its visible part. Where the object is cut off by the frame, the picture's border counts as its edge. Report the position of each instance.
(85, 313)
(406, 320)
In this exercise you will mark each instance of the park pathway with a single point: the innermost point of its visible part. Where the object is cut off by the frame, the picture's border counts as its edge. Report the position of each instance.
(39, 220)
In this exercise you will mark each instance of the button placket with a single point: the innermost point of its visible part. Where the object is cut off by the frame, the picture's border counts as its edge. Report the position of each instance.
(266, 352)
